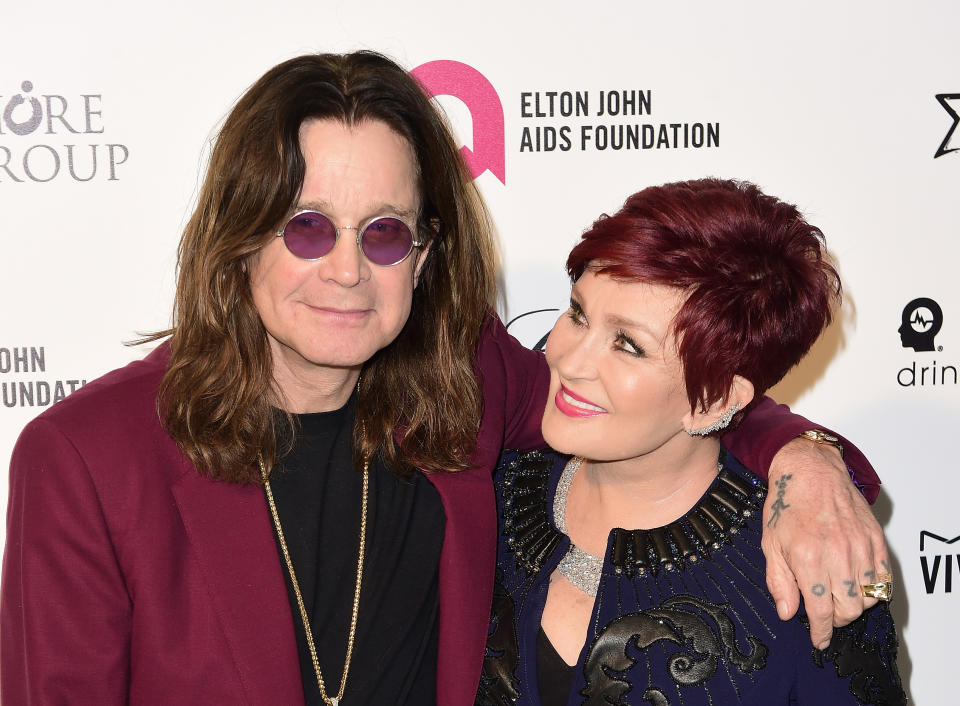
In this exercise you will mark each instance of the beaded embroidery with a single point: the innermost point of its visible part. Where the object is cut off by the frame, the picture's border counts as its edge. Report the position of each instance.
(702, 638)
(726, 506)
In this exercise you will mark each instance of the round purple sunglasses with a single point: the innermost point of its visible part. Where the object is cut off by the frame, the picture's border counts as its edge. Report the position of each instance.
(386, 241)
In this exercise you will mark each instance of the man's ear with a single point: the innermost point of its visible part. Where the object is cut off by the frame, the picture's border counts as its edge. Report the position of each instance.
(421, 256)
(423, 251)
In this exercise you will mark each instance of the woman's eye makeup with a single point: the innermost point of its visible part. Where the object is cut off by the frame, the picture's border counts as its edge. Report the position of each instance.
(626, 344)
(622, 340)
(575, 314)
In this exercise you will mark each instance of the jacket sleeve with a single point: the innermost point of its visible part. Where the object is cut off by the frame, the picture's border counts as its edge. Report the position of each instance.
(515, 381)
(769, 426)
(65, 613)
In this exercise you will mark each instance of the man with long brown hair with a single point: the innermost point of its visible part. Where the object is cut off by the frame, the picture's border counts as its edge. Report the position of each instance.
(290, 500)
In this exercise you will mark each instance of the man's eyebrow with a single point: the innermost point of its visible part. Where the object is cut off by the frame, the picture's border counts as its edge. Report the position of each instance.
(383, 209)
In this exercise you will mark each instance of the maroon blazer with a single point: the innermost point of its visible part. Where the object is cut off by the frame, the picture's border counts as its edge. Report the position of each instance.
(130, 578)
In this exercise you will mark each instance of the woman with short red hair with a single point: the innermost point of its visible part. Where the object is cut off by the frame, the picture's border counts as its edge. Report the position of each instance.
(629, 564)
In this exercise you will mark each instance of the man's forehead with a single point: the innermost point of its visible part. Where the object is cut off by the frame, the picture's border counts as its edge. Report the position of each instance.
(358, 171)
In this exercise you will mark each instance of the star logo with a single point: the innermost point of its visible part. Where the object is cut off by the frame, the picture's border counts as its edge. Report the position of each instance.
(944, 100)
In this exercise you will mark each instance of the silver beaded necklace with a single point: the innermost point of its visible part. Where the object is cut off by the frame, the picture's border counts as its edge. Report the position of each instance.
(581, 569)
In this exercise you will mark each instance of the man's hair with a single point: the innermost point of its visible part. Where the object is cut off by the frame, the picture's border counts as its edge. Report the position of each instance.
(758, 286)
(419, 399)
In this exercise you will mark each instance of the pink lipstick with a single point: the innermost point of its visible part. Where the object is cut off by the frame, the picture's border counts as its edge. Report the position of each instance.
(573, 405)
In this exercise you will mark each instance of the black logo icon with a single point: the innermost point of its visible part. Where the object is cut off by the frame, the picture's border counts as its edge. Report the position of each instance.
(920, 322)
(943, 98)
(529, 327)
(936, 537)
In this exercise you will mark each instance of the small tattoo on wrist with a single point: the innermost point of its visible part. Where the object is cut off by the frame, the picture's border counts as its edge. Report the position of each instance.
(818, 589)
(850, 591)
(779, 505)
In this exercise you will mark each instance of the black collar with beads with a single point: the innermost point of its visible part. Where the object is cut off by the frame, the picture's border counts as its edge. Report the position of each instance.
(731, 500)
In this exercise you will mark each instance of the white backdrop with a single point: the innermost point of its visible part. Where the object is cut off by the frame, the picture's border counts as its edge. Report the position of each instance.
(830, 105)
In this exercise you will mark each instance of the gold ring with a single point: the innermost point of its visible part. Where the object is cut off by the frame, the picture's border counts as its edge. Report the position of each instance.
(881, 590)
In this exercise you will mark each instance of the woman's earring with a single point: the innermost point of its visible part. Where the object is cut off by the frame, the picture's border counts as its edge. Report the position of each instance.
(722, 423)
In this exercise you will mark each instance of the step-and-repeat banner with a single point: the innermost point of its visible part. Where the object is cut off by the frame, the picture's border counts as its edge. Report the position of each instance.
(849, 110)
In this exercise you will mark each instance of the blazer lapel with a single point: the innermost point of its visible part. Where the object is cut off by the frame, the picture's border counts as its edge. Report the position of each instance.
(229, 530)
(467, 563)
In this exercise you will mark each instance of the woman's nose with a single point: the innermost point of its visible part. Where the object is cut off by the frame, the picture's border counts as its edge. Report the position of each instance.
(576, 359)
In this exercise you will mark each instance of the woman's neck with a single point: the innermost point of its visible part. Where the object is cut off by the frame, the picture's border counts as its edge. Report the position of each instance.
(639, 493)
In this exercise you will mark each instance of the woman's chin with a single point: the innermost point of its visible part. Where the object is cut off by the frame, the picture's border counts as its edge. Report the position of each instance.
(561, 441)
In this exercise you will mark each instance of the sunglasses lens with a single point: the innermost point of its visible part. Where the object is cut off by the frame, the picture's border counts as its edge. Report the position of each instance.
(386, 241)
(309, 235)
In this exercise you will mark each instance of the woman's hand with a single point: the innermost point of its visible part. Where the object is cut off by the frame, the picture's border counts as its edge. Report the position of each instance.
(819, 535)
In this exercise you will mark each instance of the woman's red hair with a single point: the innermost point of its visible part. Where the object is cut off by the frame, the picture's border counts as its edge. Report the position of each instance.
(759, 287)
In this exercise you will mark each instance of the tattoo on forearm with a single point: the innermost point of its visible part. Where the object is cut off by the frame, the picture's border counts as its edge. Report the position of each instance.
(818, 589)
(779, 505)
(850, 591)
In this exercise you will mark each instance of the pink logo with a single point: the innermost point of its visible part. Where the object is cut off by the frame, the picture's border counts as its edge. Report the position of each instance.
(452, 78)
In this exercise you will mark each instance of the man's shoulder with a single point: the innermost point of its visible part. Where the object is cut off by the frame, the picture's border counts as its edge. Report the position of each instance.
(115, 395)
(107, 414)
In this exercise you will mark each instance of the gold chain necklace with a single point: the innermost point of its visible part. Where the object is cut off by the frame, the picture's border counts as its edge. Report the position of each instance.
(335, 700)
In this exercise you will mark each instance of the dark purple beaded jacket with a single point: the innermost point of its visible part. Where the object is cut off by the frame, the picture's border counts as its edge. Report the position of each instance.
(682, 615)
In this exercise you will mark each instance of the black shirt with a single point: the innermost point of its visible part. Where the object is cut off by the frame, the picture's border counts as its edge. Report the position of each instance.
(318, 497)
(554, 676)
